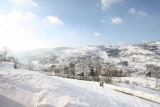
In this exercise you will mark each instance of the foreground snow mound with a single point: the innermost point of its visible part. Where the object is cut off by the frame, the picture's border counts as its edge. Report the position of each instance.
(19, 88)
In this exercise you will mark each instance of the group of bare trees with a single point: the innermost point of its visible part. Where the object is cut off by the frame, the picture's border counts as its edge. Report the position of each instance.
(4, 53)
(88, 67)
(72, 68)
(5, 58)
(109, 71)
(153, 71)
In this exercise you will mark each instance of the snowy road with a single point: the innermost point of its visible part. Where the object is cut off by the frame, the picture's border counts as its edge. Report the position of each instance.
(22, 88)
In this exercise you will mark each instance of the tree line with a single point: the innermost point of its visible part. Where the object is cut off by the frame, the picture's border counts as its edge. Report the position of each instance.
(87, 67)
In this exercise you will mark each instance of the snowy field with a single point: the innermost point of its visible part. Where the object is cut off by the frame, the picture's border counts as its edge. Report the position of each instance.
(23, 88)
(141, 84)
(140, 80)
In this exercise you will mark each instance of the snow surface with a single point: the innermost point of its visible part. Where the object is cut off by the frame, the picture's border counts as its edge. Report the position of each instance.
(138, 84)
(140, 80)
(19, 88)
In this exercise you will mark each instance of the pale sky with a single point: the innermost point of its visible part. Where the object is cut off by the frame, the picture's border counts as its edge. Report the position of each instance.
(30, 24)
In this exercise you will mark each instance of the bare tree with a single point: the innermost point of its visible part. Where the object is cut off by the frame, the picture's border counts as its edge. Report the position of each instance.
(91, 72)
(10, 58)
(72, 68)
(31, 66)
(5, 53)
(16, 63)
(56, 71)
(1, 58)
(66, 70)
(148, 72)
(95, 66)
(53, 67)
(155, 71)
(109, 70)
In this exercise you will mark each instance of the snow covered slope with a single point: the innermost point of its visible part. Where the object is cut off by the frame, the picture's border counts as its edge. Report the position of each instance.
(136, 56)
(19, 88)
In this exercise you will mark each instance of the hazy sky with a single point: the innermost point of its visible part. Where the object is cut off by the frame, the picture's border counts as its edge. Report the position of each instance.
(28, 24)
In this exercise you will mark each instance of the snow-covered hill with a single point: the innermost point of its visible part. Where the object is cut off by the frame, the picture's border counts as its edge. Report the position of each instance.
(135, 56)
(23, 88)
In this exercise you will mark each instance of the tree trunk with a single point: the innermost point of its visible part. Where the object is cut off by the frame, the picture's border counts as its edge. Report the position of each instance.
(157, 81)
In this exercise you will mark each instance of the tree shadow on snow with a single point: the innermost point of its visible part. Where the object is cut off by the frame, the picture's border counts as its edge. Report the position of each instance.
(7, 102)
